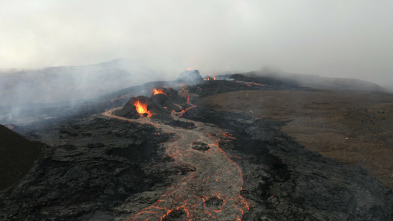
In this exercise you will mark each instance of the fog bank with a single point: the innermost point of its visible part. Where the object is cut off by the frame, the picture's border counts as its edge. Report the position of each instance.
(328, 38)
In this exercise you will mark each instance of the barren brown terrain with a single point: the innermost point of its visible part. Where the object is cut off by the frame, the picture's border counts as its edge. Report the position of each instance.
(353, 127)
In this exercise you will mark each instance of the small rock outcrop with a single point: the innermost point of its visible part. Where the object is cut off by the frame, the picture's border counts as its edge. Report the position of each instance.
(17, 155)
(200, 146)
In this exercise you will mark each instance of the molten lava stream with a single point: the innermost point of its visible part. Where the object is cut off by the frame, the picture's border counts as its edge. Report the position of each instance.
(158, 91)
(250, 84)
(211, 192)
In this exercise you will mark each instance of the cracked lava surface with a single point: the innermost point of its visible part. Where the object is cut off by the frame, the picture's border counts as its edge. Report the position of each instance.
(211, 191)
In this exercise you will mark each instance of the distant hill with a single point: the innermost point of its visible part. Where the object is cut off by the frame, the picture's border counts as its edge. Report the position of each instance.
(322, 82)
(17, 155)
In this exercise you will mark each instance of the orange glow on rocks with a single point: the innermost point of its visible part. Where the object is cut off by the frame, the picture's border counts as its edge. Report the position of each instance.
(250, 84)
(210, 78)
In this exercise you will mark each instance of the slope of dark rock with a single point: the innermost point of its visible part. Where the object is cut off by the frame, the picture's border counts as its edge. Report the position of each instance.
(238, 82)
(316, 81)
(93, 167)
(128, 111)
(209, 88)
(17, 155)
(288, 182)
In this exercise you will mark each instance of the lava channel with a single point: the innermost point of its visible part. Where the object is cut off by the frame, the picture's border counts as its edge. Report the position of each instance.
(211, 192)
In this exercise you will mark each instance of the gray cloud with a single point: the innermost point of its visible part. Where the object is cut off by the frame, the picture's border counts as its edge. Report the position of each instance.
(351, 38)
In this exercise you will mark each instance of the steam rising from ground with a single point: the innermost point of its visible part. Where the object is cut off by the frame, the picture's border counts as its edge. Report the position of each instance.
(331, 38)
(327, 38)
(26, 91)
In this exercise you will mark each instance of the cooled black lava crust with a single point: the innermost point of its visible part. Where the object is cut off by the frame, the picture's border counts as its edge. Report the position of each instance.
(288, 182)
(96, 164)
(101, 164)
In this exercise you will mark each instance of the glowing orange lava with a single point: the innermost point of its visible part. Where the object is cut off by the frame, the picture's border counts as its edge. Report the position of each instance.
(209, 78)
(250, 84)
(158, 91)
(141, 108)
(215, 175)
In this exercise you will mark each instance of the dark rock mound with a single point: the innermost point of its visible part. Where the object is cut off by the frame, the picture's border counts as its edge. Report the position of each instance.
(179, 214)
(158, 106)
(128, 111)
(161, 105)
(182, 124)
(200, 146)
(17, 155)
(190, 77)
(214, 203)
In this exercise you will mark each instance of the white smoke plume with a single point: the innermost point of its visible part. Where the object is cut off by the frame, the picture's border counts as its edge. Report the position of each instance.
(348, 39)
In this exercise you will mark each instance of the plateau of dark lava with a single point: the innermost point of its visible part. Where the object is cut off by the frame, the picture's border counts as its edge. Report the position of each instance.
(161, 156)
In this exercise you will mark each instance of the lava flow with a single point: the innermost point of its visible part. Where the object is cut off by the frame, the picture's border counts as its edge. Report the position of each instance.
(158, 91)
(250, 84)
(141, 108)
(211, 191)
(209, 78)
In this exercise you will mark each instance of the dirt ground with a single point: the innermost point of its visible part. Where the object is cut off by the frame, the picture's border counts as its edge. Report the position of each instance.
(351, 126)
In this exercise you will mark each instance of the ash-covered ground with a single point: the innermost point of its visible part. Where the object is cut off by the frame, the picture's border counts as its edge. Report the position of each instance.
(96, 167)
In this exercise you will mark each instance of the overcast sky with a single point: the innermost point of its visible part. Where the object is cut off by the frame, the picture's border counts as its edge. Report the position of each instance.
(341, 38)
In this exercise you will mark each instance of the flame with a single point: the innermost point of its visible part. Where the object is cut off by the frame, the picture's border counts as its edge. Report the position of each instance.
(188, 69)
(141, 108)
(158, 91)
(209, 78)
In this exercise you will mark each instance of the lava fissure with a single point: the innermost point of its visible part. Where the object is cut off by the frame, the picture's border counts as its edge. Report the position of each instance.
(158, 91)
(216, 176)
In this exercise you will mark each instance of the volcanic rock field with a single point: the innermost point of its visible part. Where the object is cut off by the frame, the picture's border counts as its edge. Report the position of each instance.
(178, 151)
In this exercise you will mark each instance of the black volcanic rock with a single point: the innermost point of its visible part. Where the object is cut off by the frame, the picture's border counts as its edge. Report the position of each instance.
(128, 111)
(97, 168)
(17, 155)
(159, 105)
(182, 124)
(214, 203)
(288, 182)
(209, 88)
(163, 104)
(200, 146)
(190, 77)
(106, 162)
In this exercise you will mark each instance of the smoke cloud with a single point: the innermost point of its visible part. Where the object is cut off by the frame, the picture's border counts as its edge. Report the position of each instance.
(329, 38)
(332, 38)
